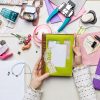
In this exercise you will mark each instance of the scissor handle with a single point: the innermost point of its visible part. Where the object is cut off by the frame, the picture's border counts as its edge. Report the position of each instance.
(67, 20)
(52, 14)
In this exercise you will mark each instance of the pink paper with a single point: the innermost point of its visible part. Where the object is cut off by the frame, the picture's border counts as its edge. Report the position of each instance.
(82, 11)
(50, 9)
(91, 59)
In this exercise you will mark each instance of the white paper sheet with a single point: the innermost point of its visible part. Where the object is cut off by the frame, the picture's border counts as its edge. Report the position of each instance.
(58, 54)
(11, 87)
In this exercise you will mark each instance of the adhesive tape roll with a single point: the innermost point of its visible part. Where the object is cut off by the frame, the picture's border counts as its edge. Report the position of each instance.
(39, 30)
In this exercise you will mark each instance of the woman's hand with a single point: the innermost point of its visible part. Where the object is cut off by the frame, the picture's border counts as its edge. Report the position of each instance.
(37, 77)
(77, 52)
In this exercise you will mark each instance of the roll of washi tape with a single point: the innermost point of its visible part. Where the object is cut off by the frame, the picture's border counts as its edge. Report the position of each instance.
(39, 30)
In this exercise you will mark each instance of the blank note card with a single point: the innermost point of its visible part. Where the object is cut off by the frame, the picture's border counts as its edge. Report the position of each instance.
(58, 54)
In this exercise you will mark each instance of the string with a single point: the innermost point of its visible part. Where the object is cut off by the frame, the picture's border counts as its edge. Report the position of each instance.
(16, 65)
(17, 75)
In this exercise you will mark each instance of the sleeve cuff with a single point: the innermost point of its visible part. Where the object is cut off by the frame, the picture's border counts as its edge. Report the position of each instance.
(32, 94)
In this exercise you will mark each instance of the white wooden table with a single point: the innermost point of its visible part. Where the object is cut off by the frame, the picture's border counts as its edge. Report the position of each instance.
(54, 88)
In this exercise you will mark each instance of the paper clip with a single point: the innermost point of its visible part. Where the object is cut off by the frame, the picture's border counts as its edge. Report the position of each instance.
(81, 30)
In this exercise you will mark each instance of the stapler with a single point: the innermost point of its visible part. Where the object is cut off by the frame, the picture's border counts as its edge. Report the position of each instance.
(3, 51)
(67, 9)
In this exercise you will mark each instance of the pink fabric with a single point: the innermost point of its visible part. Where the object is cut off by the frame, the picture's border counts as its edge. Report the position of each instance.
(91, 59)
(74, 17)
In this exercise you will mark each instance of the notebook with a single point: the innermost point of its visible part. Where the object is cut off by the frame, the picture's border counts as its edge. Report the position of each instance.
(11, 87)
(57, 54)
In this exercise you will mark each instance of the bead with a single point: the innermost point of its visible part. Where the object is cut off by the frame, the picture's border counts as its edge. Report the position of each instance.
(2, 42)
(19, 53)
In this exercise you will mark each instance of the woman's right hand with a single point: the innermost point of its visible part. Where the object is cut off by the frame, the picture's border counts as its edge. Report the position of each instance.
(77, 52)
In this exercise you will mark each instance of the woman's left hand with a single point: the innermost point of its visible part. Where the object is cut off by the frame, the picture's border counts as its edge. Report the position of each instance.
(37, 77)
